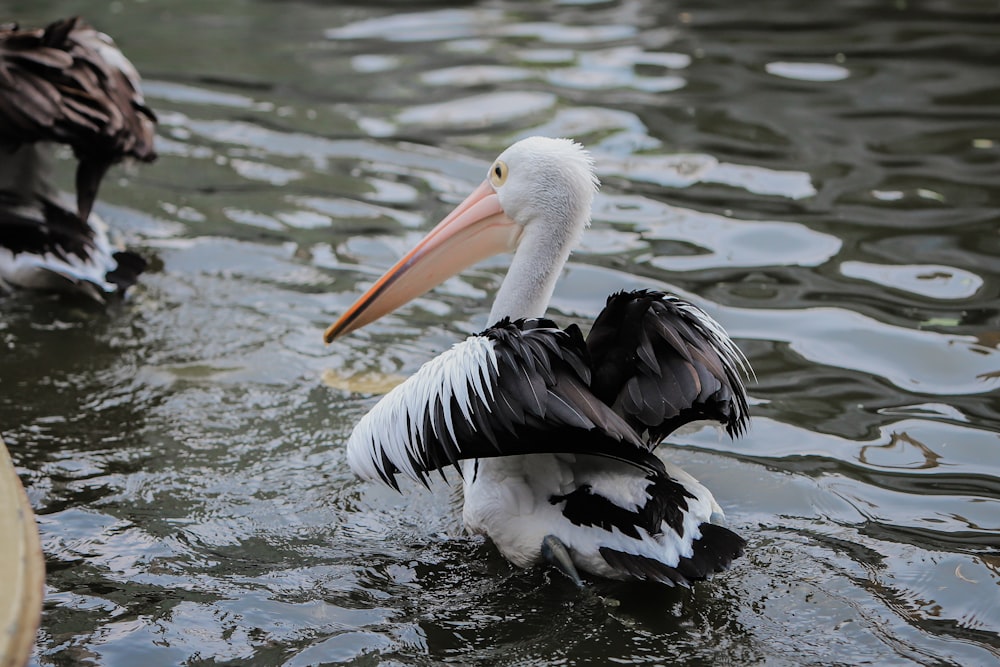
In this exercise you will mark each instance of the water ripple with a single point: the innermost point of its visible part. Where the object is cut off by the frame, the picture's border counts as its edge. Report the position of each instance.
(822, 182)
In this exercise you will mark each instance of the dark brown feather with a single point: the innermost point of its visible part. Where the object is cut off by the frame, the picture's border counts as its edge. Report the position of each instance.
(57, 86)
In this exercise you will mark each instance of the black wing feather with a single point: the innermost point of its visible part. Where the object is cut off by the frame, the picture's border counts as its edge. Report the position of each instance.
(651, 363)
(542, 392)
(713, 552)
(540, 404)
(661, 363)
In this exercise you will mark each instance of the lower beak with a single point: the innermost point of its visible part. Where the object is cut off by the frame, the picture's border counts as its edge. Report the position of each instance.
(478, 228)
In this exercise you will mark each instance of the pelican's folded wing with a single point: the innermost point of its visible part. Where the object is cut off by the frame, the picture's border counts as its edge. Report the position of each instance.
(662, 362)
(70, 84)
(517, 388)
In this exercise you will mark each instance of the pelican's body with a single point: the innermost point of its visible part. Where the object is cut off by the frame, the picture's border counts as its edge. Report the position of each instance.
(66, 83)
(554, 434)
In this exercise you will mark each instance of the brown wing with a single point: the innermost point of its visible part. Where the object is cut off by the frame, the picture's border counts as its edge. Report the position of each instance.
(69, 83)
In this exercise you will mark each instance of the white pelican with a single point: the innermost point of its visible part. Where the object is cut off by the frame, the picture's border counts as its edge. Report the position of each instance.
(552, 434)
(66, 83)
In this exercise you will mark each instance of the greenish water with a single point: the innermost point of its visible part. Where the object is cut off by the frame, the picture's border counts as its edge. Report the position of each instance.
(823, 178)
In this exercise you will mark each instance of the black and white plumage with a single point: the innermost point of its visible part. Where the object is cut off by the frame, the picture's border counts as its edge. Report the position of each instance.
(553, 434)
(66, 83)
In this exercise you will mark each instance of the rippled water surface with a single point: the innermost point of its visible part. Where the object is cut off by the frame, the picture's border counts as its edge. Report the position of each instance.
(823, 177)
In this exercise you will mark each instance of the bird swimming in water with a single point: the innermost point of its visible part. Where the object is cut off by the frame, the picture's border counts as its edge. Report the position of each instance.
(66, 83)
(554, 433)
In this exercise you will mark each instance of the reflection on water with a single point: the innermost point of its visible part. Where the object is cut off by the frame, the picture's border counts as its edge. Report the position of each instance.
(823, 181)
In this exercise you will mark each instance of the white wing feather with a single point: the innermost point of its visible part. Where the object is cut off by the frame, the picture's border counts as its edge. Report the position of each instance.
(394, 427)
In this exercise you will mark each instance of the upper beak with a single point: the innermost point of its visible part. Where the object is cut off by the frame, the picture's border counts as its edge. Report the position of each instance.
(478, 228)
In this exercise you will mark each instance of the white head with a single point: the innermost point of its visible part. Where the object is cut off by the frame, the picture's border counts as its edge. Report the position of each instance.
(535, 201)
(539, 179)
(547, 187)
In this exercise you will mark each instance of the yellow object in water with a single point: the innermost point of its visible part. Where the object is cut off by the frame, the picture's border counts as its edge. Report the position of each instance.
(362, 383)
(22, 584)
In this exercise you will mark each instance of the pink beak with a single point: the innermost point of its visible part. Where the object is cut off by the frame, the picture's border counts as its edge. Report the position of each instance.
(478, 228)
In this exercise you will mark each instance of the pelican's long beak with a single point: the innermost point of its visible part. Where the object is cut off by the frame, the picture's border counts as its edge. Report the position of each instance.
(478, 228)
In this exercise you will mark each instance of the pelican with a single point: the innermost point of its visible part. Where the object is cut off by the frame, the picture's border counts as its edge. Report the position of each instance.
(69, 84)
(553, 434)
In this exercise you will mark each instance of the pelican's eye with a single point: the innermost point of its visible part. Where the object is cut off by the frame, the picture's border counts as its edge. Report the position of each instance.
(498, 173)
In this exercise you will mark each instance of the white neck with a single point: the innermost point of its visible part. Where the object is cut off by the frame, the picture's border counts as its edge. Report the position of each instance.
(549, 191)
(540, 256)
